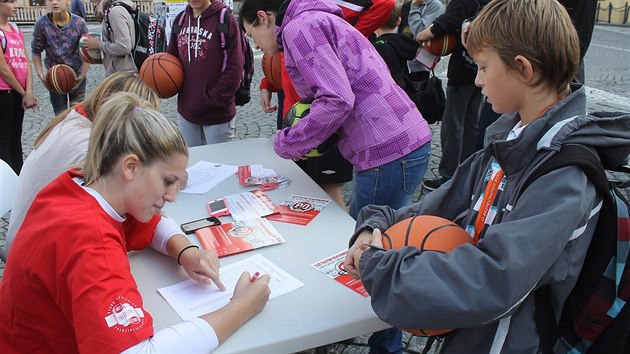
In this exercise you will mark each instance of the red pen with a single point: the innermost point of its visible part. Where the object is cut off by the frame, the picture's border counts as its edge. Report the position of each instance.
(254, 277)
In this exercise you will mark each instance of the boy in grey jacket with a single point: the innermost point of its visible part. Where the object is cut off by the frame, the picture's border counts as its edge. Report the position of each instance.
(421, 15)
(527, 52)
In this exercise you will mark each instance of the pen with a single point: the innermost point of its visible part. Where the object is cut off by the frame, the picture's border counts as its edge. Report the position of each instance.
(254, 277)
(376, 248)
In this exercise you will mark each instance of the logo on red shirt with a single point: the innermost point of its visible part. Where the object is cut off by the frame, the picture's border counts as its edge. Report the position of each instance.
(124, 315)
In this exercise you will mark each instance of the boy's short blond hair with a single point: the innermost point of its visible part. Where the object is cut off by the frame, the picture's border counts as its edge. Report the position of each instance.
(539, 30)
(392, 21)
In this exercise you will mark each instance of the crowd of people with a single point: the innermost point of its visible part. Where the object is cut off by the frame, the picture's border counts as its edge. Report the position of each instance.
(101, 170)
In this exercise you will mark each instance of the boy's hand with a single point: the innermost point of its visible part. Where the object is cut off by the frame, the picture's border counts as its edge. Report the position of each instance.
(92, 43)
(351, 263)
(465, 27)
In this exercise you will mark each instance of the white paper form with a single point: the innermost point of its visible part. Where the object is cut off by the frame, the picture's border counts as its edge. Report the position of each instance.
(204, 175)
(250, 205)
(426, 58)
(191, 299)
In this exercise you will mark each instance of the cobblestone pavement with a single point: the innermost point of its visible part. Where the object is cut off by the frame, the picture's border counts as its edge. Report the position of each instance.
(607, 76)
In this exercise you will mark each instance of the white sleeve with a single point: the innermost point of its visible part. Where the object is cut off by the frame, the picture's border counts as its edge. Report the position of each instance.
(164, 230)
(194, 336)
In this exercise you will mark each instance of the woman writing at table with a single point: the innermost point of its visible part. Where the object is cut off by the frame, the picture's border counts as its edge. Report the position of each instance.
(68, 286)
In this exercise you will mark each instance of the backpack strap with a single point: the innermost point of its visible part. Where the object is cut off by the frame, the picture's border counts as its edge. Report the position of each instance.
(178, 22)
(3, 40)
(224, 35)
(134, 16)
(569, 155)
(573, 155)
(596, 264)
(3, 36)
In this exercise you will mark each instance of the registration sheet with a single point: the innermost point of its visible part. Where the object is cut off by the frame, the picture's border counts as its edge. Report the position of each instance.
(204, 175)
(191, 299)
(250, 205)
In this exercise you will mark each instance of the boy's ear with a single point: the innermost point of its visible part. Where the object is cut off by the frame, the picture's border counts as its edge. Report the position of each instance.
(525, 68)
(398, 22)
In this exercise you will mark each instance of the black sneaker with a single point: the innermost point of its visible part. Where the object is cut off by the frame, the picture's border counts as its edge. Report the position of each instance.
(433, 184)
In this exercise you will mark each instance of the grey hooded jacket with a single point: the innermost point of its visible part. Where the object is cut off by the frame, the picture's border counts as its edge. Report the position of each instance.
(486, 292)
(117, 45)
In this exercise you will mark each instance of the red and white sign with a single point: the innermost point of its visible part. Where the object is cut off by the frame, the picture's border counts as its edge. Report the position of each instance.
(299, 210)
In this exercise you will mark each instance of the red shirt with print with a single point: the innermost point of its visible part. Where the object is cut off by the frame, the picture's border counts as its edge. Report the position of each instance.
(67, 286)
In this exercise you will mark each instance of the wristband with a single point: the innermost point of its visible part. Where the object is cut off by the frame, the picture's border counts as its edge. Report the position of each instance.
(182, 251)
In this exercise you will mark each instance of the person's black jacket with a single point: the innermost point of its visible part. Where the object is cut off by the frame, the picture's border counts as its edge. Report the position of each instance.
(582, 14)
(461, 68)
(396, 49)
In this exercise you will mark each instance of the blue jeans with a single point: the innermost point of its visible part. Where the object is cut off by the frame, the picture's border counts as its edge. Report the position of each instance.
(386, 341)
(61, 101)
(392, 184)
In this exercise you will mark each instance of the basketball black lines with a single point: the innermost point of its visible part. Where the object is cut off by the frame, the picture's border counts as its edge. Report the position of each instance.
(163, 73)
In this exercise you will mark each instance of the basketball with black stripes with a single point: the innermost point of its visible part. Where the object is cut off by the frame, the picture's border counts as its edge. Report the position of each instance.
(426, 233)
(61, 79)
(164, 73)
(272, 69)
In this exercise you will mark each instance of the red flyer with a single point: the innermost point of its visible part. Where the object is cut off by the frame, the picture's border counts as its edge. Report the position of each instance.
(232, 238)
(299, 210)
(333, 267)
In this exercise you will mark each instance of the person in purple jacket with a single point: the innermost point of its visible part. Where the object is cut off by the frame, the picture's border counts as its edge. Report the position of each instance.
(206, 102)
(381, 132)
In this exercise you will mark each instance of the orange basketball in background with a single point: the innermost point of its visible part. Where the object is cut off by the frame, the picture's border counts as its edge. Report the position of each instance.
(61, 79)
(164, 73)
(272, 68)
(442, 46)
(427, 233)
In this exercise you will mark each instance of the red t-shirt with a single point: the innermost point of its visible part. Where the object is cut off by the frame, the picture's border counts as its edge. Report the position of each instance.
(67, 286)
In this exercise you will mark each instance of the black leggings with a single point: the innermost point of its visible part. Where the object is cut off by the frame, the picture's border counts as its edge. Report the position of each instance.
(11, 118)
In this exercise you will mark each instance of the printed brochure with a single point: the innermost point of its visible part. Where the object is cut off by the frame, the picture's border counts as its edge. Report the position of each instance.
(333, 267)
(232, 238)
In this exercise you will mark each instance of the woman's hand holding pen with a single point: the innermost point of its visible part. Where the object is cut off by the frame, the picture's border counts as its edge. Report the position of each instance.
(202, 266)
(249, 298)
(351, 263)
(252, 293)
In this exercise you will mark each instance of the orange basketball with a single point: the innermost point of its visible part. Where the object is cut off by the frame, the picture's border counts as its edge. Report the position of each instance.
(427, 233)
(164, 73)
(272, 68)
(442, 45)
(61, 79)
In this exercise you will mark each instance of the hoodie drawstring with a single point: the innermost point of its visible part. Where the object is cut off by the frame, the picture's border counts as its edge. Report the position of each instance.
(188, 41)
(197, 39)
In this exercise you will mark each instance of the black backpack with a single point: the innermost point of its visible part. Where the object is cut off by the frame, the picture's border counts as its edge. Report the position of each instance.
(429, 97)
(150, 33)
(243, 93)
(596, 315)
